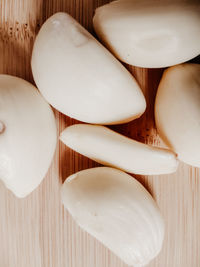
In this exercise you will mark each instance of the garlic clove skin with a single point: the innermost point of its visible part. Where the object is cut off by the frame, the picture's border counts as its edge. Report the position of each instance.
(27, 135)
(110, 148)
(177, 111)
(150, 33)
(80, 78)
(117, 210)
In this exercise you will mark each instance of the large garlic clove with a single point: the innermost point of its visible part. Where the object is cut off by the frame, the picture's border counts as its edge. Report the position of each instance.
(177, 111)
(118, 211)
(27, 135)
(110, 148)
(80, 78)
(150, 33)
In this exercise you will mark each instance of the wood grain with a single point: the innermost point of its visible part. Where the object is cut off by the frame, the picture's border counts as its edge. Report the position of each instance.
(37, 231)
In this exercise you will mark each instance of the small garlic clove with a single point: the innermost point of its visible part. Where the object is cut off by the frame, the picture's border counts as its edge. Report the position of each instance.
(150, 33)
(117, 210)
(110, 148)
(177, 111)
(27, 135)
(80, 78)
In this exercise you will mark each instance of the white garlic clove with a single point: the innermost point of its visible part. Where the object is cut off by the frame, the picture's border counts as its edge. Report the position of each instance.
(118, 211)
(27, 135)
(110, 148)
(80, 78)
(177, 111)
(150, 33)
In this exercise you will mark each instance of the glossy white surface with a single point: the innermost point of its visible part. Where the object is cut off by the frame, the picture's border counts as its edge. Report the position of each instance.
(110, 148)
(28, 136)
(118, 211)
(150, 33)
(177, 111)
(80, 78)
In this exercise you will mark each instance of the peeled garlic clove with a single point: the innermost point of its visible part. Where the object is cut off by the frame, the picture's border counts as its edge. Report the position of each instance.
(110, 148)
(150, 33)
(80, 78)
(117, 210)
(177, 111)
(27, 135)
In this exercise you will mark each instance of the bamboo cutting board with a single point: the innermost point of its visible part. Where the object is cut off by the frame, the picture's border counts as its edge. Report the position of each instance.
(37, 231)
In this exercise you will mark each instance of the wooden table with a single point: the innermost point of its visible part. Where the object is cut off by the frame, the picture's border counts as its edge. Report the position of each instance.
(37, 231)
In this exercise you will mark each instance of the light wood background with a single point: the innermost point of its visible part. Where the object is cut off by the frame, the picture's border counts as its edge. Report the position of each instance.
(37, 231)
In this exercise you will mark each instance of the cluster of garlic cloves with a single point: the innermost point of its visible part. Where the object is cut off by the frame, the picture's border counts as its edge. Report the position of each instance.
(79, 77)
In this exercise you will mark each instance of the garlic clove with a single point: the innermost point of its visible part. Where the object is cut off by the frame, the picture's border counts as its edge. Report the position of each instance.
(118, 211)
(80, 78)
(27, 135)
(150, 33)
(110, 148)
(177, 111)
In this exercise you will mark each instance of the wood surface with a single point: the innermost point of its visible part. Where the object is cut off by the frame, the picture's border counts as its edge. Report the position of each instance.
(37, 231)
